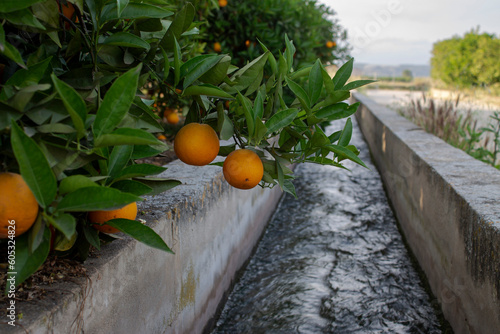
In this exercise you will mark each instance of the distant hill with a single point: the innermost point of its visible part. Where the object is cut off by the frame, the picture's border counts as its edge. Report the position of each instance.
(363, 69)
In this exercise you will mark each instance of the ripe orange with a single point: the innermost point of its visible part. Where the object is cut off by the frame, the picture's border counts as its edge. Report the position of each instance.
(330, 44)
(161, 137)
(222, 3)
(243, 169)
(173, 118)
(247, 43)
(98, 218)
(17, 204)
(68, 10)
(196, 144)
(217, 47)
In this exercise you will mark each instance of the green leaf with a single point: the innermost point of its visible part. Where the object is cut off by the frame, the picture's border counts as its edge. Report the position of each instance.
(132, 187)
(92, 235)
(75, 182)
(248, 111)
(158, 185)
(289, 188)
(146, 151)
(126, 39)
(2, 39)
(327, 81)
(343, 74)
(7, 6)
(247, 75)
(289, 52)
(74, 104)
(134, 11)
(55, 128)
(117, 102)
(224, 124)
(23, 17)
(324, 161)
(180, 24)
(200, 69)
(345, 153)
(337, 111)
(36, 233)
(281, 119)
(272, 60)
(217, 73)
(33, 166)
(13, 54)
(65, 223)
(119, 158)
(300, 93)
(345, 136)
(31, 76)
(28, 262)
(139, 170)
(225, 150)
(207, 90)
(357, 83)
(315, 82)
(95, 198)
(127, 136)
(258, 106)
(120, 6)
(177, 62)
(260, 130)
(140, 232)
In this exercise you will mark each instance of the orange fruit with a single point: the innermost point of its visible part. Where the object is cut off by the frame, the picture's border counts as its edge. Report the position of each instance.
(161, 137)
(17, 204)
(243, 169)
(100, 217)
(217, 47)
(68, 10)
(173, 118)
(330, 44)
(247, 43)
(196, 144)
(222, 3)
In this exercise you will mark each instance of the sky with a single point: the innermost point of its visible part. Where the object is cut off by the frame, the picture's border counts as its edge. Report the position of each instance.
(395, 32)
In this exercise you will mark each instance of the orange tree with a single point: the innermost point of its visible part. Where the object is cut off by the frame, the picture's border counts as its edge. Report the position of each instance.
(237, 27)
(74, 119)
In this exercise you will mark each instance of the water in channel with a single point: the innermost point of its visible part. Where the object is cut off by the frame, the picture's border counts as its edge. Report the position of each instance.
(331, 261)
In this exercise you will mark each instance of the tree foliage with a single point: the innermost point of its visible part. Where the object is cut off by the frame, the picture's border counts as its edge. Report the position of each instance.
(468, 61)
(240, 25)
(76, 115)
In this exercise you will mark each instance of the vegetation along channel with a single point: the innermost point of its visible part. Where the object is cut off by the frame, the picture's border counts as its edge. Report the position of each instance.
(332, 261)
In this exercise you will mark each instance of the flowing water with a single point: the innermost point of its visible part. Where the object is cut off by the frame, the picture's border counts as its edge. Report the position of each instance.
(332, 261)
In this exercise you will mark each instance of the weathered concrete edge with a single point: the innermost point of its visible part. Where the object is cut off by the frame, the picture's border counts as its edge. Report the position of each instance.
(447, 204)
(132, 288)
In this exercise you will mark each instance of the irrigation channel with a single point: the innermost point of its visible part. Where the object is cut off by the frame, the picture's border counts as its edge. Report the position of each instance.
(332, 261)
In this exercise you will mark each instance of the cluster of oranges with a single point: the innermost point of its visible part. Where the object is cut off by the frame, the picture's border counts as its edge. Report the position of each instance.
(330, 44)
(198, 144)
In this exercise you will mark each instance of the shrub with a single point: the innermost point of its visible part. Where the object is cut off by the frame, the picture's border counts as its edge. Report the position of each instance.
(468, 61)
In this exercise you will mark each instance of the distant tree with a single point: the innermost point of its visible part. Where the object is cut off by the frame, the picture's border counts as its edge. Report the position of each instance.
(407, 75)
(467, 61)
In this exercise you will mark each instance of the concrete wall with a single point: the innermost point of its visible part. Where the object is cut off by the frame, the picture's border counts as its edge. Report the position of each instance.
(132, 288)
(447, 204)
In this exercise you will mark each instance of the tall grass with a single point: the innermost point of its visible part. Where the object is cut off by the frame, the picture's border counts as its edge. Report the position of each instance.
(458, 128)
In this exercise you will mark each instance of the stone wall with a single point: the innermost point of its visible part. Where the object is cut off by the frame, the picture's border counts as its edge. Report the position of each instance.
(447, 204)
